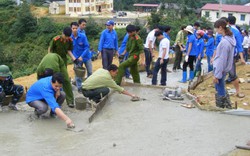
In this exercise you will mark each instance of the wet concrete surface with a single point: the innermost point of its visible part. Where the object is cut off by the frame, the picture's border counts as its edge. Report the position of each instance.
(122, 128)
(151, 127)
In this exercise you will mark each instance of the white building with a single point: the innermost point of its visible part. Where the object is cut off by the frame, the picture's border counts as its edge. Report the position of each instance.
(83, 7)
(57, 7)
(241, 12)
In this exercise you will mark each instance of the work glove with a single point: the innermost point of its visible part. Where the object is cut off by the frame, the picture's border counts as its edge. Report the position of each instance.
(186, 58)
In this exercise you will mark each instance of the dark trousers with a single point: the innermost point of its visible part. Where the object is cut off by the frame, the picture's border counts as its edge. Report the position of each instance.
(41, 106)
(245, 54)
(95, 94)
(148, 59)
(178, 57)
(232, 73)
(16, 91)
(163, 68)
(107, 57)
(190, 63)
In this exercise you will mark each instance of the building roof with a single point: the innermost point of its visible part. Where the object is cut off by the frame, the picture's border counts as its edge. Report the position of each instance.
(146, 5)
(227, 8)
(60, 2)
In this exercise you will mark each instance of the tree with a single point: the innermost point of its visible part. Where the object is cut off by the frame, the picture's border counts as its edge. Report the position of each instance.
(25, 23)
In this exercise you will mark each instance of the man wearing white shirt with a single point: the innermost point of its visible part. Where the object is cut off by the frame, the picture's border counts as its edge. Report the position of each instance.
(162, 60)
(148, 50)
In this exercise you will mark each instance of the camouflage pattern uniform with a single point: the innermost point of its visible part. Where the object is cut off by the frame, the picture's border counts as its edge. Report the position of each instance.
(7, 87)
(54, 61)
(61, 47)
(135, 48)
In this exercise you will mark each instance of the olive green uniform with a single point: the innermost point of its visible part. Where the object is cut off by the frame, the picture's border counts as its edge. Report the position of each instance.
(61, 47)
(54, 61)
(135, 48)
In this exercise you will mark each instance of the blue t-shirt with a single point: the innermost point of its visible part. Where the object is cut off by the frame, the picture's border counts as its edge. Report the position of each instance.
(81, 47)
(238, 39)
(42, 90)
(200, 47)
(217, 40)
(108, 40)
(210, 46)
(192, 39)
(123, 45)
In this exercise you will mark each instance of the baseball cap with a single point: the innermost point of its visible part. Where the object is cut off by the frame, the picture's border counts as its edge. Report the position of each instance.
(110, 22)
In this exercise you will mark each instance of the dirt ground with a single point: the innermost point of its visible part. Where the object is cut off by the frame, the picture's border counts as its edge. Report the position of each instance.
(206, 91)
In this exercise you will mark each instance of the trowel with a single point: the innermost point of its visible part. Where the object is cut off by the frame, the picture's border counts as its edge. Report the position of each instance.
(74, 129)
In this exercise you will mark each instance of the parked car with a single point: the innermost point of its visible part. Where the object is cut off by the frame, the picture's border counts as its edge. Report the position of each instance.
(121, 14)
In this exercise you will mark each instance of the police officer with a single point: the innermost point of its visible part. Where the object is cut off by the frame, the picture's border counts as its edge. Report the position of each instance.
(53, 63)
(7, 87)
(63, 45)
(135, 49)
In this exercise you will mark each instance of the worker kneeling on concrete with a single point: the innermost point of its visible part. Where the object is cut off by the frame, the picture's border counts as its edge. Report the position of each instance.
(47, 92)
(53, 63)
(7, 87)
(98, 84)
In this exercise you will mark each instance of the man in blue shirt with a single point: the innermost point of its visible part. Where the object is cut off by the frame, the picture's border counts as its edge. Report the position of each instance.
(82, 25)
(238, 50)
(81, 52)
(108, 44)
(47, 92)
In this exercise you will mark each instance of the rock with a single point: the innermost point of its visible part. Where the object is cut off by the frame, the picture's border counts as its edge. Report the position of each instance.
(248, 80)
(203, 88)
(242, 80)
(248, 75)
(228, 88)
(245, 103)
(114, 144)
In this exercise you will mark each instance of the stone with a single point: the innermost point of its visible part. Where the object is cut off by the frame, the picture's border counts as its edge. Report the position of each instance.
(248, 80)
(242, 80)
(203, 88)
(228, 88)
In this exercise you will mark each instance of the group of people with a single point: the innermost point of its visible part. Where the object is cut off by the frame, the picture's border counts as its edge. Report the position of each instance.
(52, 75)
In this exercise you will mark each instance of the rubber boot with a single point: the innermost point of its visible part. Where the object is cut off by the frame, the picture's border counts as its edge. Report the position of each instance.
(184, 77)
(220, 101)
(228, 103)
(191, 76)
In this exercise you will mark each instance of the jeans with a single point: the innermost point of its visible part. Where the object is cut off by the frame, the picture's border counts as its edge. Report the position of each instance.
(95, 94)
(220, 87)
(198, 65)
(107, 57)
(163, 68)
(88, 66)
(148, 59)
(41, 106)
(210, 66)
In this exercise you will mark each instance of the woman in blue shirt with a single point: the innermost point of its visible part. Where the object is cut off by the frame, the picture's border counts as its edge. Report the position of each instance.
(210, 49)
(191, 54)
(200, 49)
